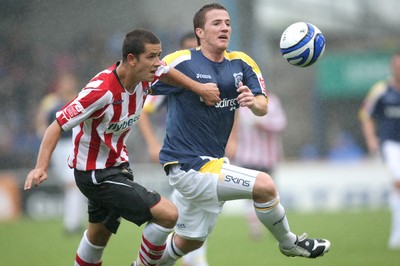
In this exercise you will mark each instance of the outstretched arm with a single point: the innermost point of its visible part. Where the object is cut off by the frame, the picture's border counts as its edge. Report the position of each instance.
(49, 142)
(209, 92)
(369, 131)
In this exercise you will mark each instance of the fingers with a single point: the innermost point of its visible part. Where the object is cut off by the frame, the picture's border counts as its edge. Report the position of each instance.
(28, 181)
(36, 177)
(211, 94)
(242, 88)
(245, 97)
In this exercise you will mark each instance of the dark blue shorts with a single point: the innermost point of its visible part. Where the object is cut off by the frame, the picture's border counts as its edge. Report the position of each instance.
(113, 194)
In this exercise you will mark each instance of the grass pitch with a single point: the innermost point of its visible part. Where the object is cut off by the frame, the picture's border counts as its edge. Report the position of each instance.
(357, 238)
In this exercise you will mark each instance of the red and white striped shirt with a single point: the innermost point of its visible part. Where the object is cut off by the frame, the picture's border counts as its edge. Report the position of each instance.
(259, 137)
(101, 117)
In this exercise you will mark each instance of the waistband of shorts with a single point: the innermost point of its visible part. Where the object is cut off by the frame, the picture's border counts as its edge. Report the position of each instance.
(121, 166)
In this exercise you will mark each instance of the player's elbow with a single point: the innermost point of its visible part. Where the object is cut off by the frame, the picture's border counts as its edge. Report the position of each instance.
(260, 111)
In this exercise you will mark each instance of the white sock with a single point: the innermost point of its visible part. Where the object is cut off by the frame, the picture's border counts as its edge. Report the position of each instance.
(171, 254)
(272, 215)
(87, 253)
(153, 244)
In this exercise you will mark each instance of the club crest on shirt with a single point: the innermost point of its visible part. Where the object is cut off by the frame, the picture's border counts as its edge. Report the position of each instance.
(238, 78)
(73, 110)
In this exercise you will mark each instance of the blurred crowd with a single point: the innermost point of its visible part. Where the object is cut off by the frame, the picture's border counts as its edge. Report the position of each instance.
(29, 71)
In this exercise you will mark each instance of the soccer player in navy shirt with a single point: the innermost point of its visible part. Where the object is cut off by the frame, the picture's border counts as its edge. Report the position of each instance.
(380, 120)
(194, 145)
(154, 104)
(101, 117)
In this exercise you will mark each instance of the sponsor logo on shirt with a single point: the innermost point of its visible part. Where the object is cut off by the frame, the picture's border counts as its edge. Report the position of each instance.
(392, 112)
(228, 103)
(123, 125)
(203, 76)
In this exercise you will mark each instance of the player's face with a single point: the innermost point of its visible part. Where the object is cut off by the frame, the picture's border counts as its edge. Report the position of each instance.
(148, 63)
(217, 30)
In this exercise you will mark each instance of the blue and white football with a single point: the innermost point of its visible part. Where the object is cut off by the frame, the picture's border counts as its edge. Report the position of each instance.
(302, 44)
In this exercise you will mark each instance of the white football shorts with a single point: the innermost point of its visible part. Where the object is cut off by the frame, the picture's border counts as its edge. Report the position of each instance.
(391, 156)
(200, 195)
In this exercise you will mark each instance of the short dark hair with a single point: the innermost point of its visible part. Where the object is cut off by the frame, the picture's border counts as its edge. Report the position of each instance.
(199, 19)
(135, 41)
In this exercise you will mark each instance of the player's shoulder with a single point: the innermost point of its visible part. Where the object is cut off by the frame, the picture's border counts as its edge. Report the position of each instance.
(178, 57)
(238, 55)
(103, 80)
(102, 87)
(231, 55)
(378, 89)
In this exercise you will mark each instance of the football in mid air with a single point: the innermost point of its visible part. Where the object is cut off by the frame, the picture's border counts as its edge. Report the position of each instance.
(302, 44)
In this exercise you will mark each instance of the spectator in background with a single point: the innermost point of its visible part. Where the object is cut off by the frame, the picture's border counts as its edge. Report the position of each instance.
(380, 121)
(152, 105)
(255, 143)
(65, 89)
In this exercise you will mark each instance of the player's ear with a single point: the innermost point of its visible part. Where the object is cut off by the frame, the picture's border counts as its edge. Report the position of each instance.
(131, 59)
(199, 32)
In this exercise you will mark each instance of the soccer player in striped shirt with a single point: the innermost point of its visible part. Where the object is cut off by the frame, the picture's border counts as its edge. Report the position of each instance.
(101, 117)
(194, 146)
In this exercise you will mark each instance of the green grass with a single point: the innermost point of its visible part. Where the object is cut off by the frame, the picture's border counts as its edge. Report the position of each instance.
(358, 238)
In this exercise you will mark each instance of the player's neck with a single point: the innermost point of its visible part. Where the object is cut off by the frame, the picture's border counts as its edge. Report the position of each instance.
(128, 84)
(214, 55)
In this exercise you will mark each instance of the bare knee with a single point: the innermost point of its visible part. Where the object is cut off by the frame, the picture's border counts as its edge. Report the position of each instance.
(264, 188)
(97, 234)
(164, 213)
(187, 245)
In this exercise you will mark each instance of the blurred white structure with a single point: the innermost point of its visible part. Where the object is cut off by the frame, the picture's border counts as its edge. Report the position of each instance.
(329, 186)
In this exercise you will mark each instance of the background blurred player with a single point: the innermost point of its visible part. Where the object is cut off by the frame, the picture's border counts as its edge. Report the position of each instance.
(152, 105)
(194, 146)
(65, 89)
(255, 143)
(101, 117)
(380, 120)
